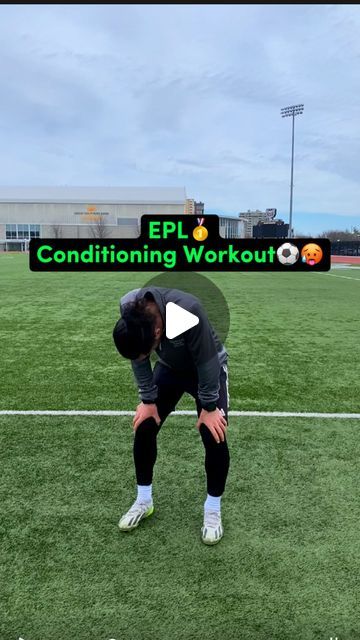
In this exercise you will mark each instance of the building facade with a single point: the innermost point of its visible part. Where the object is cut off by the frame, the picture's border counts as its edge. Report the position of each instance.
(199, 209)
(252, 218)
(80, 212)
(189, 208)
(231, 227)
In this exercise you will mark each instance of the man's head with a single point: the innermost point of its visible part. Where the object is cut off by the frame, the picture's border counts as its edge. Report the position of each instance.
(139, 330)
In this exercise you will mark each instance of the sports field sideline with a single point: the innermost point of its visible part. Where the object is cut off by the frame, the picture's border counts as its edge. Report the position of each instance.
(288, 564)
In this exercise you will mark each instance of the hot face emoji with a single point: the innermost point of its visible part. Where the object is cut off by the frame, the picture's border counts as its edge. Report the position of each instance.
(311, 254)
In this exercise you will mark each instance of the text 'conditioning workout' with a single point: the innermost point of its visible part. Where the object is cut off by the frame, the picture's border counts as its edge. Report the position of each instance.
(180, 243)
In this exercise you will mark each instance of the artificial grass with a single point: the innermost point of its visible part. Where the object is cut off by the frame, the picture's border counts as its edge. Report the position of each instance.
(287, 567)
(293, 341)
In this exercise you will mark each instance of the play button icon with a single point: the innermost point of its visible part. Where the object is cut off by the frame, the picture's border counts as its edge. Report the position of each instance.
(178, 320)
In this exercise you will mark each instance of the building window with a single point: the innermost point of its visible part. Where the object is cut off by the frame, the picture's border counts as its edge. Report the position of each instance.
(10, 231)
(23, 231)
(34, 231)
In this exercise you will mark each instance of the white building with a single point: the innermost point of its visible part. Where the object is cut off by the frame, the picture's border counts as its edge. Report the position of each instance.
(80, 212)
(231, 227)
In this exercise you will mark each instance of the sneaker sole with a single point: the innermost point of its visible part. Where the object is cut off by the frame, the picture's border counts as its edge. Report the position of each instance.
(211, 543)
(133, 526)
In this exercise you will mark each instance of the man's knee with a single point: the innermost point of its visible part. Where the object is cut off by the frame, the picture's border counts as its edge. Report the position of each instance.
(208, 439)
(147, 429)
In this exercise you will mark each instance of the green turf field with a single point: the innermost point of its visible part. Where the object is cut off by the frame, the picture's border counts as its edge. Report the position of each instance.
(289, 562)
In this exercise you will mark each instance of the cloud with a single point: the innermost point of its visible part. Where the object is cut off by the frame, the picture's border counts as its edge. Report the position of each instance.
(185, 95)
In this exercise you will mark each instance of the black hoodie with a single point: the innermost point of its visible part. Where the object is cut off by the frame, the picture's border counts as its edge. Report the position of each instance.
(196, 351)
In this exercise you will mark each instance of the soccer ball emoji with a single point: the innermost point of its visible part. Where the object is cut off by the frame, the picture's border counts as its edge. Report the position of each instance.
(311, 253)
(287, 253)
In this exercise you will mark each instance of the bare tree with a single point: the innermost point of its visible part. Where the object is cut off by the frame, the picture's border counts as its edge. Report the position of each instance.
(99, 228)
(56, 230)
(335, 234)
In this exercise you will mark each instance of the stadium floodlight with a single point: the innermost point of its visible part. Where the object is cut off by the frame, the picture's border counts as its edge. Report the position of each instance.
(294, 110)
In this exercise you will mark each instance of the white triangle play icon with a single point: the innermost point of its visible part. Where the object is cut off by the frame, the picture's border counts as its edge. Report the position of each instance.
(178, 320)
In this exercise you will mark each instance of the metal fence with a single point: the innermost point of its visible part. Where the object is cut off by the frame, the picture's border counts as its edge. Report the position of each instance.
(345, 248)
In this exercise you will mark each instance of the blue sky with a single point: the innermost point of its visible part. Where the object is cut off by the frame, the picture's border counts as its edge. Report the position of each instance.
(187, 95)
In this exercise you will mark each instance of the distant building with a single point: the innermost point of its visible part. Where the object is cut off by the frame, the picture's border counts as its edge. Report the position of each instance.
(189, 208)
(231, 227)
(199, 209)
(80, 212)
(252, 218)
(193, 208)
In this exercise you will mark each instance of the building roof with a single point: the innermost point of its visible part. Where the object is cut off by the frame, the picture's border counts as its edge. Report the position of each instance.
(93, 195)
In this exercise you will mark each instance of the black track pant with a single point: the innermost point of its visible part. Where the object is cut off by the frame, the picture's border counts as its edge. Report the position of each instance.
(171, 386)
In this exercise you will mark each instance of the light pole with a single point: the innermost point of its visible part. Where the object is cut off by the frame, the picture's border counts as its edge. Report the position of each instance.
(293, 111)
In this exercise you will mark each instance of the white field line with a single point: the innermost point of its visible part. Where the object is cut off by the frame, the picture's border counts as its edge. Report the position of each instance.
(333, 275)
(264, 414)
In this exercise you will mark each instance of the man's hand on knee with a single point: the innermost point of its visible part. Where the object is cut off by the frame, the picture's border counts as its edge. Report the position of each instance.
(143, 412)
(215, 422)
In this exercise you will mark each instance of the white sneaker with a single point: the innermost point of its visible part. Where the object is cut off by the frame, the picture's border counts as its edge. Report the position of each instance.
(136, 513)
(212, 531)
